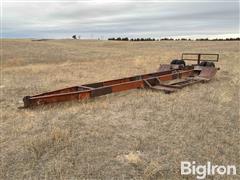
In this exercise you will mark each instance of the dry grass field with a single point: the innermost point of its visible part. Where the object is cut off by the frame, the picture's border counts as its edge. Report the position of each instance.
(138, 134)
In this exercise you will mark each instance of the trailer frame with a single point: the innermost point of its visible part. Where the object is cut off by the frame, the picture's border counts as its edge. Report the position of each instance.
(167, 79)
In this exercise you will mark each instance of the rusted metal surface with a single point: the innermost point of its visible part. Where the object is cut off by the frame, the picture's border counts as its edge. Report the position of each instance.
(164, 67)
(167, 79)
(208, 72)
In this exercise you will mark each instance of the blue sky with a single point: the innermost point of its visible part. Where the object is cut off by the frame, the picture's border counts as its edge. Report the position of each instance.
(103, 19)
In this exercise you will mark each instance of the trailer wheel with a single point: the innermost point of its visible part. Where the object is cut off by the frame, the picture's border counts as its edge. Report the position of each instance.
(181, 62)
(207, 64)
(174, 61)
(210, 64)
(203, 63)
(178, 62)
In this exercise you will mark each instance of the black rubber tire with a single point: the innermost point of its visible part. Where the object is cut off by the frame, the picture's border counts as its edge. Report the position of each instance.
(178, 62)
(182, 62)
(210, 64)
(174, 61)
(207, 64)
(203, 63)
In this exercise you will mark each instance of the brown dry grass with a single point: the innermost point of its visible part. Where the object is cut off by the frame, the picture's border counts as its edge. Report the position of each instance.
(135, 134)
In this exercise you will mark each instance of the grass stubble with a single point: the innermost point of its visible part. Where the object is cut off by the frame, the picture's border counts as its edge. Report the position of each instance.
(137, 134)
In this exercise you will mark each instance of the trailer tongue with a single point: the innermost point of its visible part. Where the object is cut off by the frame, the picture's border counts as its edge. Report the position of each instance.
(169, 78)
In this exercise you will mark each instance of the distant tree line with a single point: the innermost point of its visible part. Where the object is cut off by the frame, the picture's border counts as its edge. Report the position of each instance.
(132, 39)
(172, 39)
(219, 39)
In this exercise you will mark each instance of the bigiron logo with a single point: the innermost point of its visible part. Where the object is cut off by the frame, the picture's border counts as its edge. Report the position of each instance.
(201, 171)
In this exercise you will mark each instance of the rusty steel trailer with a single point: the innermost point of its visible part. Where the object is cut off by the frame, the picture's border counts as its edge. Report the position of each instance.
(169, 78)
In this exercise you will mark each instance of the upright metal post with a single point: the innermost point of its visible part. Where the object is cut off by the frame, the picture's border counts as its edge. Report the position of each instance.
(199, 57)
